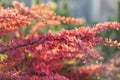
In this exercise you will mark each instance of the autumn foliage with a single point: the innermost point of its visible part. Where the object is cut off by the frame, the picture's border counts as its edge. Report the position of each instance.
(60, 56)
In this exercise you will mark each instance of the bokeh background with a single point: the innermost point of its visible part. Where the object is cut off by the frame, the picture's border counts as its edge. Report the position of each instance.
(91, 10)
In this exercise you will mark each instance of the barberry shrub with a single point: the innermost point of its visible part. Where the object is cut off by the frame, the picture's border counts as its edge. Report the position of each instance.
(65, 55)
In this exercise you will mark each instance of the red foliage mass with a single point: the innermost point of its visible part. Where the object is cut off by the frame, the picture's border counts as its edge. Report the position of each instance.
(43, 57)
